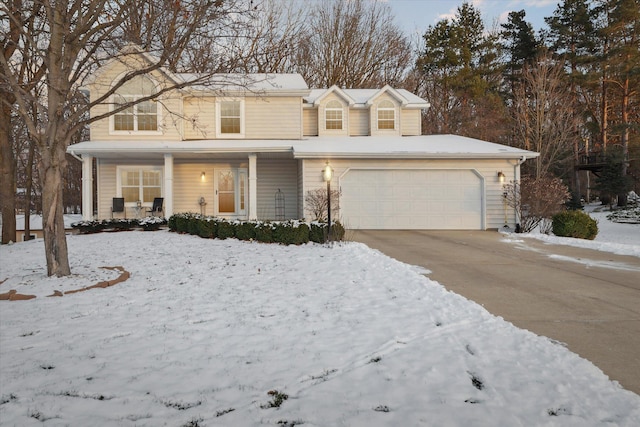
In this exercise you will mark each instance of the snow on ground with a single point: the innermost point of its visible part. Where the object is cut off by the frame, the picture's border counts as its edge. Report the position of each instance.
(218, 332)
(617, 238)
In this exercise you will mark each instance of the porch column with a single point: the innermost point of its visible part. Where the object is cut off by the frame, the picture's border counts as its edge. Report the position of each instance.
(168, 185)
(87, 188)
(253, 190)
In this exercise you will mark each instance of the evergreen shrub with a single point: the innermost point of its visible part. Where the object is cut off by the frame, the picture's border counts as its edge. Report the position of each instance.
(246, 230)
(575, 224)
(225, 230)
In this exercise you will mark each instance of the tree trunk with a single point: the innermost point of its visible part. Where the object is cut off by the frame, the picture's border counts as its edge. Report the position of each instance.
(29, 189)
(55, 242)
(622, 197)
(8, 175)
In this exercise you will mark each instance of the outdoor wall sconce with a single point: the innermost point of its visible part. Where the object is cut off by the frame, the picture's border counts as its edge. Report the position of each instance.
(327, 174)
(501, 177)
(202, 176)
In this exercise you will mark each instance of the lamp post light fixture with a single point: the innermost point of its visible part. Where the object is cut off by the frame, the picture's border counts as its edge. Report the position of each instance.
(327, 174)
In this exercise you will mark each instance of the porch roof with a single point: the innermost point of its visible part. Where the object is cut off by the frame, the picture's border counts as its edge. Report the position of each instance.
(409, 147)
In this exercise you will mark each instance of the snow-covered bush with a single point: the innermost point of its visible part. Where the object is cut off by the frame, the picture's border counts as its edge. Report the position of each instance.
(290, 232)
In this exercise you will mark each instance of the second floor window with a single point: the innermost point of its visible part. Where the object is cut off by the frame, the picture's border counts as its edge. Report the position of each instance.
(138, 117)
(142, 116)
(386, 115)
(333, 115)
(230, 117)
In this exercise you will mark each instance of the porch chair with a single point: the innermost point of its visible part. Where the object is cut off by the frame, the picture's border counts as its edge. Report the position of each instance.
(117, 206)
(157, 206)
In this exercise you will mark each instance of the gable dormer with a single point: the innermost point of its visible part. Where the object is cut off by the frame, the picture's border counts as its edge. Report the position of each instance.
(385, 111)
(333, 112)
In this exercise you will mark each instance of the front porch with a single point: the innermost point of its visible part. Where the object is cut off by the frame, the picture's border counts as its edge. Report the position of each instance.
(251, 187)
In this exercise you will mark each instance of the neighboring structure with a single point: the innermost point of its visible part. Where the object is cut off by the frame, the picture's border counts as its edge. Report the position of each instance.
(228, 151)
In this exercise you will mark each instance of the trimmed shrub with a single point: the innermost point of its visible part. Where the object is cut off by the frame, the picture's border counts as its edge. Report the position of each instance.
(317, 233)
(182, 223)
(193, 224)
(171, 222)
(207, 228)
(575, 224)
(264, 232)
(290, 233)
(337, 231)
(246, 231)
(225, 230)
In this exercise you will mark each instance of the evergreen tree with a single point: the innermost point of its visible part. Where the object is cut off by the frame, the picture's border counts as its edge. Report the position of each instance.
(519, 40)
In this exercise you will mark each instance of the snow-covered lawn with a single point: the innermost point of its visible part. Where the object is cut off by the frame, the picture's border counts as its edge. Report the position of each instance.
(617, 238)
(219, 332)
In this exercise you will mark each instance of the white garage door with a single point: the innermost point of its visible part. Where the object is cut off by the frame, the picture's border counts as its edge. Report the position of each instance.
(411, 199)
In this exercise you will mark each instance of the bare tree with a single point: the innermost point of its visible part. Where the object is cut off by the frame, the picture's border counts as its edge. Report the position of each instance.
(543, 115)
(536, 200)
(316, 202)
(353, 44)
(68, 40)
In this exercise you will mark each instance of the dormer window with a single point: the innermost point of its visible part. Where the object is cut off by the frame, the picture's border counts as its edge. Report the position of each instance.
(386, 115)
(142, 116)
(333, 115)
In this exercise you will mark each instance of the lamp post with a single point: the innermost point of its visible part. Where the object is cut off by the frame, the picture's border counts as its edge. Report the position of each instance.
(327, 174)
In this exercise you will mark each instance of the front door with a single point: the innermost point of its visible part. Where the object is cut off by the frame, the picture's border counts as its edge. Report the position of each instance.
(231, 192)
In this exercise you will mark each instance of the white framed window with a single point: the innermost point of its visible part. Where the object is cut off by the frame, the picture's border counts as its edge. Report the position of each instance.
(386, 115)
(143, 117)
(333, 115)
(139, 184)
(230, 118)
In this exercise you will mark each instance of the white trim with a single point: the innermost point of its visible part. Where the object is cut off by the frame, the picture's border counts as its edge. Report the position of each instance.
(221, 135)
(253, 187)
(168, 185)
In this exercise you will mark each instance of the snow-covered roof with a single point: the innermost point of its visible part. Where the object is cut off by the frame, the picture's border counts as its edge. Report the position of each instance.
(259, 82)
(425, 146)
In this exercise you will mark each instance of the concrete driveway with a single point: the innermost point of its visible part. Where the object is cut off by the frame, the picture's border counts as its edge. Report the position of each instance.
(588, 299)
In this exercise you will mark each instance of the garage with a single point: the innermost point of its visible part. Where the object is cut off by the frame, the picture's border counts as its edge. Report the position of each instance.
(448, 199)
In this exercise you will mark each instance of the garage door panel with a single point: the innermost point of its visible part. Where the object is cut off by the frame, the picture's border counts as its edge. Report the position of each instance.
(411, 199)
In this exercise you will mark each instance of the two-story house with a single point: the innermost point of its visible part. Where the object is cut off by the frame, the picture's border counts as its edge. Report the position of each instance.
(252, 147)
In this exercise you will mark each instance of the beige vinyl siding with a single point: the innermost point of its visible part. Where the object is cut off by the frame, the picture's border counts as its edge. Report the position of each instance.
(322, 131)
(488, 169)
(411, 122)
(310, 121)
(273, 118)
(199, 118)
(274, 174)
(359, 122)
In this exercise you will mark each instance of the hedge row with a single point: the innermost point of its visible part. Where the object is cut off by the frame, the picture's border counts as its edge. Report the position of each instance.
(117, 224)
(284, 232)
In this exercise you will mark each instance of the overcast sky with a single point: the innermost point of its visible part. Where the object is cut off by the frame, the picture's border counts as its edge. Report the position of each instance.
(416, 15)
